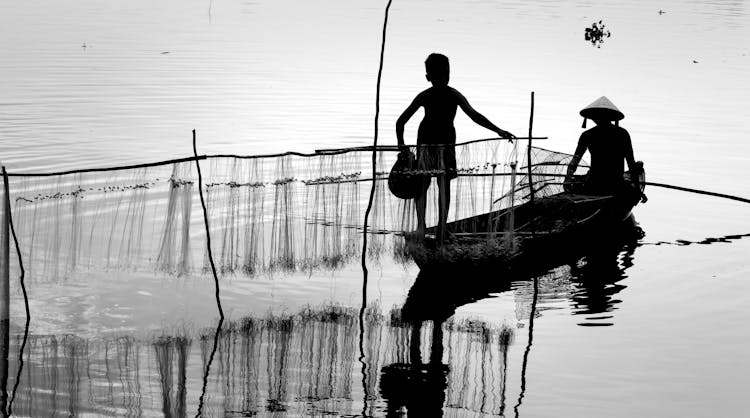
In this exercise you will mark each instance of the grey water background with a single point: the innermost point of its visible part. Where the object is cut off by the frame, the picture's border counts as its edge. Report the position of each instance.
(88, 83)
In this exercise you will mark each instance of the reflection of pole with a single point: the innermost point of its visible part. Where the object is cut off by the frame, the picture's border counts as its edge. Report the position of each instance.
(528, 346)
(4, 293)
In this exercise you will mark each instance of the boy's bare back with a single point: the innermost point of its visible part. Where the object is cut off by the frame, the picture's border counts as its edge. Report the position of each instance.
(440, 103)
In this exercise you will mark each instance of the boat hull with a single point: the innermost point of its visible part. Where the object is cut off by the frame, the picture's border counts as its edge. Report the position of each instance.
(544, 231)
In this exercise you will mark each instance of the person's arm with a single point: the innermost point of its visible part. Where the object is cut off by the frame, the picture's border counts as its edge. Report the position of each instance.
(634, 167)
(478, 118)
(405, 116)
(573, 166)
(629, 153)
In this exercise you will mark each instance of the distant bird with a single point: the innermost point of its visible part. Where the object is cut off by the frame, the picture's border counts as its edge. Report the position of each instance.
(165, 52)
(695, 62)
(661, 12)
(84, 46)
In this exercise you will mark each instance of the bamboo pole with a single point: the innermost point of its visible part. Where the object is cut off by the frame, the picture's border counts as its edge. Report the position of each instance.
(397, 148)
(490, 225)
(5, 254)
(4, 294)
(215, 276)
(697, 191)
(511, 227)
(21, 279)
(528, 150)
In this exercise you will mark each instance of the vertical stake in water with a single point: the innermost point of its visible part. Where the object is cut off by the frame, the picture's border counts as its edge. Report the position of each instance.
(490, 225)
(511, 226)
(4, 292)
(367, 216)
(528, 151)
(528, 163)
(5, 261)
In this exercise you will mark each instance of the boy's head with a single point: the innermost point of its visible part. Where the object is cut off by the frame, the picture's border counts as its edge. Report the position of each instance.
(438, 69)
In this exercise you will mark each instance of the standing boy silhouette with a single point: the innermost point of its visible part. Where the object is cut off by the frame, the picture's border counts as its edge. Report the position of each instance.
(436, 137)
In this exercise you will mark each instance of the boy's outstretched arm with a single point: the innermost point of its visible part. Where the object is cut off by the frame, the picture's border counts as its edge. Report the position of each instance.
(408, 113)
(479, 119)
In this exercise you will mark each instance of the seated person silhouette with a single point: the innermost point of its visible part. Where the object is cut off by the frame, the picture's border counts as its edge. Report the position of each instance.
(436, 137)
(609, 145)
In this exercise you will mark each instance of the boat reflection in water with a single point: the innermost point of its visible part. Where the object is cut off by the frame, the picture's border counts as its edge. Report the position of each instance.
(418, 357)
(596, 278)
(588, 274)
(425, 387)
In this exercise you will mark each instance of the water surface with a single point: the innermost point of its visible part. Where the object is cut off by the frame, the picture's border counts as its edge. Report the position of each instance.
(656, 329)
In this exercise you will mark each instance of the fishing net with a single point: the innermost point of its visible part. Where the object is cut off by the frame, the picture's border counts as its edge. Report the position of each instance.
(266, 213)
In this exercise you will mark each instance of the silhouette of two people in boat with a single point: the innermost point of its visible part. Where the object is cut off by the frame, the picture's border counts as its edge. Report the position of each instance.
(608, 143)
(436, 137)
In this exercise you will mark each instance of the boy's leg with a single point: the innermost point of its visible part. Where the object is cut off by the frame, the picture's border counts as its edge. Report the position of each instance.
(436, 353)
(421, 207)
(420, 201)
(444, 201)
(415, 343)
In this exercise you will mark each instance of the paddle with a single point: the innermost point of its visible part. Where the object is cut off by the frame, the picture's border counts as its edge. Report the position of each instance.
(705, 192)
(673, 187)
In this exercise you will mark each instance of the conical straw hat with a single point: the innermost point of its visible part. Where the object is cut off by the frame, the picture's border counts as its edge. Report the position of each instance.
(602, 108)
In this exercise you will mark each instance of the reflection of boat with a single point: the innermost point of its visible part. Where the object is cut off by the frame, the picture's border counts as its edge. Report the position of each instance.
(591, 283)
(551, 226)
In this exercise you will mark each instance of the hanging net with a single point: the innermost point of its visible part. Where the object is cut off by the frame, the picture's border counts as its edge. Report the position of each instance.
(266, 213)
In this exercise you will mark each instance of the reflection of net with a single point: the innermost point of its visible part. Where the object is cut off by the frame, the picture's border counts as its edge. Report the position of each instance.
(297, 365)
(266, 213)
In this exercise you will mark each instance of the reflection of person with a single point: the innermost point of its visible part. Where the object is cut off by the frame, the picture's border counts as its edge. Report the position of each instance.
(437, 135)
(597, 281)
(417, 387)
(609, 144)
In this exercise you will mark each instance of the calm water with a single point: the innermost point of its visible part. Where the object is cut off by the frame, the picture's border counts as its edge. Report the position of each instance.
(656, 330)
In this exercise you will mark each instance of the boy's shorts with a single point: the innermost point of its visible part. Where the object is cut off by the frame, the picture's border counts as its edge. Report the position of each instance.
(437, 160)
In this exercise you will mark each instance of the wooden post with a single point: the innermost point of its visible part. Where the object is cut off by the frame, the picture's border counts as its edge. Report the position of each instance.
(511, 227)
(4, 293)
(490, 224)
(5, 253)
(528, 151)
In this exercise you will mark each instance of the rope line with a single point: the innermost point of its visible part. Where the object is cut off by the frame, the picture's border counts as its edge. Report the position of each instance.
(114, 168)
(317, 153)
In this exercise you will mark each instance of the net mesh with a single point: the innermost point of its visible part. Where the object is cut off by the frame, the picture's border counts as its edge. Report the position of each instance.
(266, 213)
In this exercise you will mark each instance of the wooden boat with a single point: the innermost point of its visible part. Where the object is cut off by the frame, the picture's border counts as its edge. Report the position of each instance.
(544, 230)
